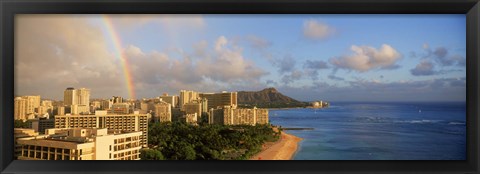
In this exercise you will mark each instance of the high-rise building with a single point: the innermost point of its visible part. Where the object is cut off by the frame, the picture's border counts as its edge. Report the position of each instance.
(81, 144)
(147, 106)
(170, 99)
(116, 99)
(60, 110)
(187, 97)
(83, 96)
(216, 100)
(73, 96)
(33, 102)
(116, 122)
(106, 104)
(20, 108)
(70, 96)
(235, 116)
(163, 112)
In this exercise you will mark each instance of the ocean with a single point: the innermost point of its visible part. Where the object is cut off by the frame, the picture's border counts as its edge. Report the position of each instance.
(378, 131)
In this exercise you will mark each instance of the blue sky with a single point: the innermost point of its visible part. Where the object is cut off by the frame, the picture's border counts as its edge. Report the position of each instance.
(307, 57)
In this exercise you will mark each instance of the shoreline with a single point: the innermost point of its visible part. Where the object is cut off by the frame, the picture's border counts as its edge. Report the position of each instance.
(283, 149)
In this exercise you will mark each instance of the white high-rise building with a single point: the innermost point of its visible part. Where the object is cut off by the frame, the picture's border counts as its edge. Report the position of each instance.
(76, 97)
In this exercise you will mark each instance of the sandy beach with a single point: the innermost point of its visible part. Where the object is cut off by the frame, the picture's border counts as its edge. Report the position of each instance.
(283, 149)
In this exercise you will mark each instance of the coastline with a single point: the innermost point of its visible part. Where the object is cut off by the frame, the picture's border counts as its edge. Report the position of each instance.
(283, 149)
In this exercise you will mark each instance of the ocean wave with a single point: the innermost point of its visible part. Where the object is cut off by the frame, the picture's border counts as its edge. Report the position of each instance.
(419, 121)
(456, 123)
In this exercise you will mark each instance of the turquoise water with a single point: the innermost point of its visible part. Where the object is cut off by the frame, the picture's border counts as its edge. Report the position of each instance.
(378, 131)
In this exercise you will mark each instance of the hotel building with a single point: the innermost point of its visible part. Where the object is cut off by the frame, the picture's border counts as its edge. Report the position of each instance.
(232, 116)
(216, 100)
(116, 122)
(81, 144)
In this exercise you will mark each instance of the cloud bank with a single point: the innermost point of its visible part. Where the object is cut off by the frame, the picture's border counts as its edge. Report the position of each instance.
(366, 58)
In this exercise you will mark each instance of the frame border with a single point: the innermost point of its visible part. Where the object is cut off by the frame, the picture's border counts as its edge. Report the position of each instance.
(9, 8)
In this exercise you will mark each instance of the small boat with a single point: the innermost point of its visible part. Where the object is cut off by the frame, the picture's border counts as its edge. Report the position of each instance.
(419, 111)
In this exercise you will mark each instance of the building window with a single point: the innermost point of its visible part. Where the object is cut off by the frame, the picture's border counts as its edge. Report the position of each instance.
(110, 147)
(110, 156)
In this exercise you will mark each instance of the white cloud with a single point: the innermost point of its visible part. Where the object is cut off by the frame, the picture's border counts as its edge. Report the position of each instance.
(58, 51)
(53, 52)
(315, 30)
(365, 58)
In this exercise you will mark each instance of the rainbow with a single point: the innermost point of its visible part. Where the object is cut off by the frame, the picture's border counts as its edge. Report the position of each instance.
(117, 42)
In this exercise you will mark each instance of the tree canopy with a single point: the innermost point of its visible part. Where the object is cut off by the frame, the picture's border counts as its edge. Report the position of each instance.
(181, 141)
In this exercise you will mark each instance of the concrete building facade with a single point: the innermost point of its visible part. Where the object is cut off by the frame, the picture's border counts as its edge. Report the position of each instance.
(115, 122)
(81, 144)
(216, 100)
(233, 116)
(163, 112)
(187, 97)
(20, 108)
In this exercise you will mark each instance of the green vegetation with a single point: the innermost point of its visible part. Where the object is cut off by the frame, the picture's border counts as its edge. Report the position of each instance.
(180, 141)
(150, 154)
(21, 124)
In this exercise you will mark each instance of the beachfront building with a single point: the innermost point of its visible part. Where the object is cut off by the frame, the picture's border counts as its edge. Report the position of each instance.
(224, 98)
(102, 119)
(229, 115)
(81, 144)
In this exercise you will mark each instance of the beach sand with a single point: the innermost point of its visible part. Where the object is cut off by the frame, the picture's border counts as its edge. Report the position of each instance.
(283, 149)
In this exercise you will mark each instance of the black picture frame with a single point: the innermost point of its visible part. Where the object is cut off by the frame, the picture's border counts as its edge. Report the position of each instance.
(8, 9)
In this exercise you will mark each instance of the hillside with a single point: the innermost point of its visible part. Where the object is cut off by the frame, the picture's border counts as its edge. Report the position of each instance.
(267, 98)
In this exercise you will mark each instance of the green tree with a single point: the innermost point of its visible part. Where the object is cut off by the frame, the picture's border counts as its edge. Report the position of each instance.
(21, 124)
(151, 154)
